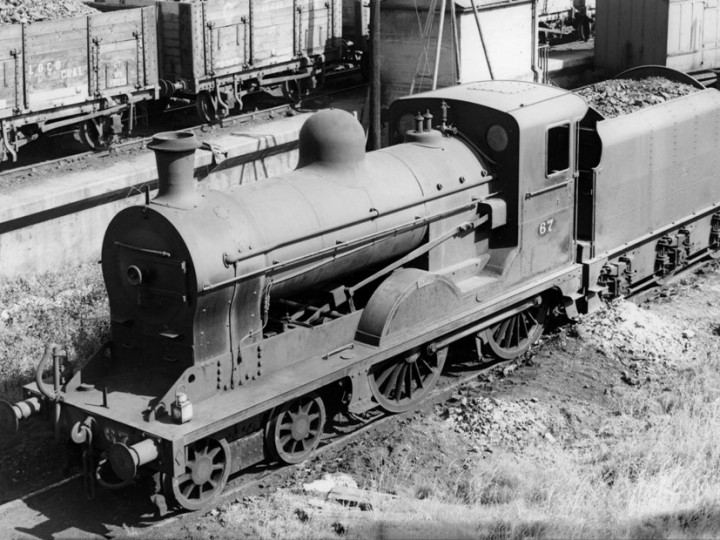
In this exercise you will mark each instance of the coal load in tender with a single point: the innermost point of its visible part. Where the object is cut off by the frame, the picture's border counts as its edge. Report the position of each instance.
(622, 96)
(29, 11)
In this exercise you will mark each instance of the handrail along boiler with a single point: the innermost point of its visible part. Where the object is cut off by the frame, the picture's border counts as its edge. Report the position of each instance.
(244, 319)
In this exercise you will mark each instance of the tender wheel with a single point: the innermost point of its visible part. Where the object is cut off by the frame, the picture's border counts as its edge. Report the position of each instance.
(206, 473)
(295, 430)
(97, 133)
(512, 337)
(401, 383)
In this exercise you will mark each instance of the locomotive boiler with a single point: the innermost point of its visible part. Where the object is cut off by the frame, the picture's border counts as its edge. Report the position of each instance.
(244, 319)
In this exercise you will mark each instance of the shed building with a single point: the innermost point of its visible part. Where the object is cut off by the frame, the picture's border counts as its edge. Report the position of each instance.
(408, 58)
(680, 34)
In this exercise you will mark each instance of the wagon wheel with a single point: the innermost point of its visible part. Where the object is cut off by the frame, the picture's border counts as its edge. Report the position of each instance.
(401, 383)
(295, 430)
(206, 473)
(209, 108)
(294, 90)
(97, 133)
(513, 336)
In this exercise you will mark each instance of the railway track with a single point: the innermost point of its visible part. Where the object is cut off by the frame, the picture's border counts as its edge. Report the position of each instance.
(62, 509)
(41, 168)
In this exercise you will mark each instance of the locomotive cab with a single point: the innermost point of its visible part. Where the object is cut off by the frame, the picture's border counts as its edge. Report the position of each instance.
(528, 134)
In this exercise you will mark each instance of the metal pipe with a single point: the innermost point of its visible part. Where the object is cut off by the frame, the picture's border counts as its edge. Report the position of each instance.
(50, 352)
(361, 242)
(482, 40)
(439, 44)
(374, 141)
(456, 44)
(56, 387)
(534, 44)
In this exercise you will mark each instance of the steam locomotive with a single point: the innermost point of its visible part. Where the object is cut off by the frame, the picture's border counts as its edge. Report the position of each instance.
(244, 319)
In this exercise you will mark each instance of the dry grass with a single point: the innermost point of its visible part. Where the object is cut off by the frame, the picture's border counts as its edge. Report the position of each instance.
(655, 477)
(69, 308)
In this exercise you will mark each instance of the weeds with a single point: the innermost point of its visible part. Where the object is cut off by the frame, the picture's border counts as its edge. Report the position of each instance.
(68, 307)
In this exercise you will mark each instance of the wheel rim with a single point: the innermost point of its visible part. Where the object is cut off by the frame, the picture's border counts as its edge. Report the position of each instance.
(96, 133)
(513, 336)
(206, 473)
(291, 91)
(208, 108)
(401, 383)
(297, 429)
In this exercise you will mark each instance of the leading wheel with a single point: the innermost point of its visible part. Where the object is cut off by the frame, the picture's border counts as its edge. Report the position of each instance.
(512, 337)
(97, 133)
(206, 472)
(296, 429)
(401, 383)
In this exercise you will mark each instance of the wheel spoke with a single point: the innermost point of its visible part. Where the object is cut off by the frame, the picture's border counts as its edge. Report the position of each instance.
(418, 375)
(185, 490)
(393, 380)
(214, 452)
(305, 409)
(399, 382)
(408, 380)
(525, 332)
(430, 369)
(184, 477)
(384, 376)
(510, 337)
(284, 440)
(502, 331)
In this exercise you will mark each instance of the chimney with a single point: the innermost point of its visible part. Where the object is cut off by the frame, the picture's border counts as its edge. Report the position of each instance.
(175, 159)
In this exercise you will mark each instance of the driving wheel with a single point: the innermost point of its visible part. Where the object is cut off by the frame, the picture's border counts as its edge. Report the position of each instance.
(401, 383)
(513, 336)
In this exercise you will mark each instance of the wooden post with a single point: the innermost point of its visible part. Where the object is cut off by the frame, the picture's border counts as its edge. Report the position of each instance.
(375, 125)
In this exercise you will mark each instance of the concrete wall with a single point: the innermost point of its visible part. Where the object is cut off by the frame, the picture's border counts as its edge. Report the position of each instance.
(62, 221)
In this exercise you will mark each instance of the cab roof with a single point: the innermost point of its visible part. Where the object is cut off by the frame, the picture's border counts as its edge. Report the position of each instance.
(506, 96)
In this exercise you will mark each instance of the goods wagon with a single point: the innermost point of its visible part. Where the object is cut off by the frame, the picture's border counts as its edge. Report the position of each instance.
(87, 71)
(215, 51)
(680, 34)
(243, 320)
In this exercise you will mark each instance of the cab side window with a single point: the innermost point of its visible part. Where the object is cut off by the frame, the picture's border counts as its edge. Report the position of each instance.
(558, 149)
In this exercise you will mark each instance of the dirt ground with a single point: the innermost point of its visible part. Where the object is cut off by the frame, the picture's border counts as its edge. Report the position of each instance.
(584, 391)
(570, 394)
